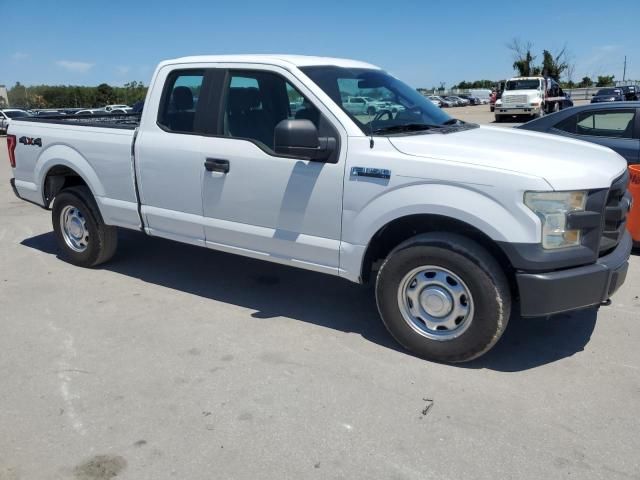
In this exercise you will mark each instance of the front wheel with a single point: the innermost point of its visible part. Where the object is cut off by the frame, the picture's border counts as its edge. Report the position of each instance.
(443, 297)
(83, 238)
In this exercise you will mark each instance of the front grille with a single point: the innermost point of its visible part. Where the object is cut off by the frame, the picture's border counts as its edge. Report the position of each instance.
(512, 99)
(615, 213)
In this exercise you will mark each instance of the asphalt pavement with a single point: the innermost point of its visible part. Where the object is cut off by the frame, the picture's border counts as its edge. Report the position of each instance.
(173, 361)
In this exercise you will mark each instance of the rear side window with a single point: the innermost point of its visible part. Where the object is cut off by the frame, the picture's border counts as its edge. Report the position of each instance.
(606, 123)
(180, 101)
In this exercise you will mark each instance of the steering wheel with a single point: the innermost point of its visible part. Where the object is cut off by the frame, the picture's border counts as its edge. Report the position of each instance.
(382, 113)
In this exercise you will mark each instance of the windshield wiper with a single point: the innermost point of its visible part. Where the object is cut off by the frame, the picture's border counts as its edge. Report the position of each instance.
(407, 127)
(453, 121)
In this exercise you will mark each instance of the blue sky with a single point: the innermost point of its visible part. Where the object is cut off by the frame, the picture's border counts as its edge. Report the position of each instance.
(424, 42)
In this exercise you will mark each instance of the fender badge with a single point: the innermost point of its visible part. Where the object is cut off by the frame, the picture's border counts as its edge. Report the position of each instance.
(371, 172)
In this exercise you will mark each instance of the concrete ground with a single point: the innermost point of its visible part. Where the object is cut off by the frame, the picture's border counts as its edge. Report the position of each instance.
(177, 362)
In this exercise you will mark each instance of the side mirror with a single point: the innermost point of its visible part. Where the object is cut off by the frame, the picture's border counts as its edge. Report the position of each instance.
(300, 138)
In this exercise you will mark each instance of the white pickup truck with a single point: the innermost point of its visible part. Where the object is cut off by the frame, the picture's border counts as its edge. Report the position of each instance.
(457, 224)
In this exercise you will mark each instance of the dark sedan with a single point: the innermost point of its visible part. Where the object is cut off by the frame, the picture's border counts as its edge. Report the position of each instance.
(608, 95)
(616, 126)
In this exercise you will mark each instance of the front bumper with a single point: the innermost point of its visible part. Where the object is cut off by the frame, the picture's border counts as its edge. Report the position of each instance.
(543, 294)
(517, 111)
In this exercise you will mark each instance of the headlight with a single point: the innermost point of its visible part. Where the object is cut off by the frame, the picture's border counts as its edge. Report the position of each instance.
(552, 209)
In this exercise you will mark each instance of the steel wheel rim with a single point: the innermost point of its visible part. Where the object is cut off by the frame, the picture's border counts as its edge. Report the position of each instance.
(74, 228)
(435, 303)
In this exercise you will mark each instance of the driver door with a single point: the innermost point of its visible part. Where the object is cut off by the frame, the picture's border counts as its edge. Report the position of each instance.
(262, 204)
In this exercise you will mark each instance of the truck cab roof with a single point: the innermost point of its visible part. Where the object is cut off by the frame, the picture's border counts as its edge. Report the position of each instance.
(272, 59)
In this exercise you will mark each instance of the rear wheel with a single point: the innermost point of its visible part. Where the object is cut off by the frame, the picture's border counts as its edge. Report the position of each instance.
(443, 297)
(83, 238)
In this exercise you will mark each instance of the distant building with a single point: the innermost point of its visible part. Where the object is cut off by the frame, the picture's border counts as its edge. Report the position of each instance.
(4, 96)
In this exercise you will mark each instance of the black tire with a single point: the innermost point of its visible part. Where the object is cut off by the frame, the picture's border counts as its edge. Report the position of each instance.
(487, 284)
(371, 111)
(103, 239)
(498, 118)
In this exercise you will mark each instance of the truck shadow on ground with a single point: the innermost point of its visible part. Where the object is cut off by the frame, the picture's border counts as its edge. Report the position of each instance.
(273, 290)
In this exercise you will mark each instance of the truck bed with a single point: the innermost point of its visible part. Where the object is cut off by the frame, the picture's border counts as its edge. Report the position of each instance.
(95, 147)
(126, 121)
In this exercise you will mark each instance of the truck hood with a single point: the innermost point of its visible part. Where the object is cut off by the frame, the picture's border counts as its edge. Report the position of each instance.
(565, 164)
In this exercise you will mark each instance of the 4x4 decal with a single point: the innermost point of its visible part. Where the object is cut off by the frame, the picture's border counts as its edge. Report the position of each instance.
(31, 141)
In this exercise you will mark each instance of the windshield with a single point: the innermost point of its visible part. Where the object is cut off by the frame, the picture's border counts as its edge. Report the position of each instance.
(522, 84)
(16, 113)
(390, 104)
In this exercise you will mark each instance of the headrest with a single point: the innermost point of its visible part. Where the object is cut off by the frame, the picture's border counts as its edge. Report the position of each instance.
(243, 98)
(182, 98)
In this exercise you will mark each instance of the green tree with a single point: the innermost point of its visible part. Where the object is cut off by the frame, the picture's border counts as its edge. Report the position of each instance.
(104, 94)
(605, 80)
(554, 65)
(18, 96)
(585, 82)
(522, 57)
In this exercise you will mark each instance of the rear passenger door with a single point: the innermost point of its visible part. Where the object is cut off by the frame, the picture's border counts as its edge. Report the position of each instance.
(168, 154)
(266, 205)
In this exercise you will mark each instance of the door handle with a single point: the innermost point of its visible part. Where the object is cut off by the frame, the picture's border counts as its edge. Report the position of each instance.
(216, 165)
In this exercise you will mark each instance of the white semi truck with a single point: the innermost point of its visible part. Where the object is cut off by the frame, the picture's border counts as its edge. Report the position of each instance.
(531, 96)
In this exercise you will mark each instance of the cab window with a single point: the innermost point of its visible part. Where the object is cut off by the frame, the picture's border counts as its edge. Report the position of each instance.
(256, 101)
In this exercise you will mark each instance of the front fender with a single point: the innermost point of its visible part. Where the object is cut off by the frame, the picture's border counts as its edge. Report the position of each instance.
(473, 207)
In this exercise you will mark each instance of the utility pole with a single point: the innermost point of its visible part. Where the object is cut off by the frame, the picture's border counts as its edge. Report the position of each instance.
(624, 72)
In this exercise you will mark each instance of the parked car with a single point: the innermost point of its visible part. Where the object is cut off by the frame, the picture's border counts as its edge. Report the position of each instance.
(138, 106)
(454, 101)
(630, 92)
(122, 110)
(108, 108)
(91, 111)
(481, 93)
(49, 111)
(443, 101)
(437, 101)
(608, 95)
(7, 114)
(462, 102)
(456, 223)
(471, 99)
(616, 126)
